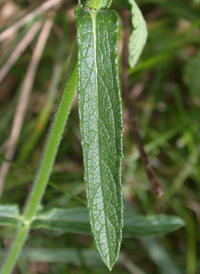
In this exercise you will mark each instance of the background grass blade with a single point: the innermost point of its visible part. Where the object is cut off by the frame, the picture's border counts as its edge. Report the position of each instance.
(23, 100)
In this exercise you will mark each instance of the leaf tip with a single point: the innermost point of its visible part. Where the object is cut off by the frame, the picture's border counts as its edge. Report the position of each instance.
(111, 264)
(111, 260)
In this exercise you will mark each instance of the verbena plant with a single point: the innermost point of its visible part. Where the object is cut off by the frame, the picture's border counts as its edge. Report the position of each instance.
(93, 71)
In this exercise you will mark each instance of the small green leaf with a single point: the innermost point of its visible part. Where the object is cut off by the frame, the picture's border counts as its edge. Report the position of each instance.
(105, 4)
(139, 35)
(9, 215)
(96, 4)
(101, 126)
(92, 4)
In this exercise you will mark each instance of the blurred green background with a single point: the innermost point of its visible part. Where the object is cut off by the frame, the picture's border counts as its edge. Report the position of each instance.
(166, 87)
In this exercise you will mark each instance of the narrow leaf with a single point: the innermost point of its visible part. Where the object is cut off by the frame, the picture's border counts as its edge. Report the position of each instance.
(76, 220)
(139, 35)
(150, 226)
(9, 215)
(101, 126)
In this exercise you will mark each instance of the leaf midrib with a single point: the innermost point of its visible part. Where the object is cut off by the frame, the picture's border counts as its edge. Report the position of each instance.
(93, 16)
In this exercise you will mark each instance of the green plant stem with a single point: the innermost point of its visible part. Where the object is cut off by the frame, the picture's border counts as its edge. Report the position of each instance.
(15, 250)
(46, 164)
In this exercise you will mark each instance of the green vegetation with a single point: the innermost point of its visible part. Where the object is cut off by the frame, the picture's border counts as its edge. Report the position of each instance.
(165, 90)
(101, 126)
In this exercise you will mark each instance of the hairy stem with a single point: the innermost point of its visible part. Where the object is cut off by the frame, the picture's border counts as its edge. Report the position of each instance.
(46, 164)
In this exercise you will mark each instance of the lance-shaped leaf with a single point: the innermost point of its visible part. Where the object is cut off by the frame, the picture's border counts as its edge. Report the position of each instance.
(101, 126)
(76, 220)
(150, 226)
(139, 35)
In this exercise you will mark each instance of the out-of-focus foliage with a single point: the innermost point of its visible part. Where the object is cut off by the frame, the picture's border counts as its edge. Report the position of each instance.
(166, 90)
(192, 72)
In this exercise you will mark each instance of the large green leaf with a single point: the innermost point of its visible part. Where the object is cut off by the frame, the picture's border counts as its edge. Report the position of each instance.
(101, 126)
(139, 35)
(76, 220)
(9, 215)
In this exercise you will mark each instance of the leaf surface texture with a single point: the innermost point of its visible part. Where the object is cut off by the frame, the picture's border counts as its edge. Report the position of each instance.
(101, 126)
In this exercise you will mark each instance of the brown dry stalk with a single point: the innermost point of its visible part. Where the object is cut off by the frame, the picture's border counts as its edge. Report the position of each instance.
(157, 189)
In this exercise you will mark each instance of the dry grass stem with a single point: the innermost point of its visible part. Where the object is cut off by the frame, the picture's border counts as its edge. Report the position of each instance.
(23, 100)
(44, 7)
(19, 49)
